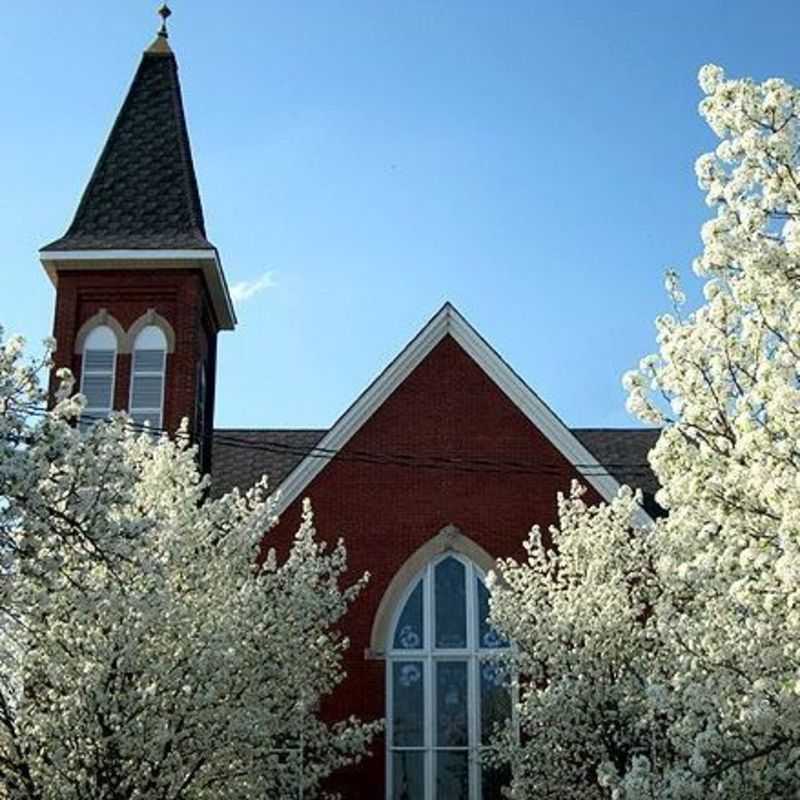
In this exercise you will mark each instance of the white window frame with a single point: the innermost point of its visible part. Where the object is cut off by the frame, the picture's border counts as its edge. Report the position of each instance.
(94, 414)
(429, 655)
(159, 412)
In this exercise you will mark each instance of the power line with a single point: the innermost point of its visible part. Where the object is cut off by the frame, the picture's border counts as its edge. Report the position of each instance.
(416, 461)
(429, 461)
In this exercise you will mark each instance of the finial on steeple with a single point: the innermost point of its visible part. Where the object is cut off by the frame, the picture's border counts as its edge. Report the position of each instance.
(161, 44)
(165, 13)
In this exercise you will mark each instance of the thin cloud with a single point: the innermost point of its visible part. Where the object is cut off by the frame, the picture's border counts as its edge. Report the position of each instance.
(243, 291)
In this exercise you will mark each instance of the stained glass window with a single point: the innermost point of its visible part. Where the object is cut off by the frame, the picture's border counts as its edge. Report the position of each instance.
(408, 632)
(449, 688)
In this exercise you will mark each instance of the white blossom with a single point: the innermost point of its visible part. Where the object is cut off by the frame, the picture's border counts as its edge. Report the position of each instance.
(665, 664)
(145, 651)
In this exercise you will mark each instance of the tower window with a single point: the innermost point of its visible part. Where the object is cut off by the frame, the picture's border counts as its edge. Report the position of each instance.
(98, 373)
(148, 377)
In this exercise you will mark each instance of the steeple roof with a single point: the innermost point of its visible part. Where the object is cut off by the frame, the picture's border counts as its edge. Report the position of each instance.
(143, 194)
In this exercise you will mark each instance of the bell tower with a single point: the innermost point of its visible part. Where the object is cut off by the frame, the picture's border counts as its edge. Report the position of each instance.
(140, 291)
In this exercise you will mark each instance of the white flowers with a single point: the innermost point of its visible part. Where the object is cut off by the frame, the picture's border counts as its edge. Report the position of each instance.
(710, 77)
(668, 660)
(141, 655)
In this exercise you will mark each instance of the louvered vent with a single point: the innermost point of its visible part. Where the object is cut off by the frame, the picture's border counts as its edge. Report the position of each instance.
(99, 360)
(147, 391)
(149, 361)
(98, 373)
(140, 419)
(99, 391)
(147, 381)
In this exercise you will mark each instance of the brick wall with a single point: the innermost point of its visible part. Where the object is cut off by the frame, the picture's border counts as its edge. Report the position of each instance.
(177, 295)
(447, 406)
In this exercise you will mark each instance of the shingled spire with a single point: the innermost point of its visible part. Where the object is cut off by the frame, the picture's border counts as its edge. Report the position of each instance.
(136, 271)
(143, 193)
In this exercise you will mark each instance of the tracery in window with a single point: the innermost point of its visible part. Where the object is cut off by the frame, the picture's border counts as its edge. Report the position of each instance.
(98, 373)
(447, 687)
(147, 377)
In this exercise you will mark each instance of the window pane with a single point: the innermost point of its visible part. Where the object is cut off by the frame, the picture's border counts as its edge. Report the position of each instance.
(488, 637)
(495, 697)
(146, 392)
(408, 635)
(408, 704)
(451, 704)
(409, 776)
(493, 779)
(452, 776)
(451, 606)
(148, 361)
(97, 389)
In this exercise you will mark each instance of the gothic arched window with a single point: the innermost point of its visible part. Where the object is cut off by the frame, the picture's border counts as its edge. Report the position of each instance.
(446, 686)
(147, 377)
(98, 372)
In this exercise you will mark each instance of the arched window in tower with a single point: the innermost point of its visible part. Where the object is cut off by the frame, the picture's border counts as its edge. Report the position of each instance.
(98, 373)
(447, 687)
(148, 377)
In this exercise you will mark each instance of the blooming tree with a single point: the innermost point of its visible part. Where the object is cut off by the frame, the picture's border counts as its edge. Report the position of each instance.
(576, 610)
(709, 628)
(145, 650)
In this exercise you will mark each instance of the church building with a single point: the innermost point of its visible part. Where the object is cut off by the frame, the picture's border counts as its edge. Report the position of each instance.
(438, 468)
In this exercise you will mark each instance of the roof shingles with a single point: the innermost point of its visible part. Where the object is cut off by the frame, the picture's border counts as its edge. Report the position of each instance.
(143, 193)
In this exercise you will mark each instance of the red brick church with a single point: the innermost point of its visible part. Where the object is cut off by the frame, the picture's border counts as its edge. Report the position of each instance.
(438, 468)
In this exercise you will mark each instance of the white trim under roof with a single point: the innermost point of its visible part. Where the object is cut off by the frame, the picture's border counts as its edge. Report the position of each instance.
(448, 321)
(125, 255)
(206, 259)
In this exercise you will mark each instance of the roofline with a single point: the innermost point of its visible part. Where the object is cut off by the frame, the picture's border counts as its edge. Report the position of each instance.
(206, 259)
(617, 429)
(272, 430)
(448, 321)
(122, 255)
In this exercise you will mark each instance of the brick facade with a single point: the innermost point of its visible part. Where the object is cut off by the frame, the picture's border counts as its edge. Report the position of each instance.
(447, 406)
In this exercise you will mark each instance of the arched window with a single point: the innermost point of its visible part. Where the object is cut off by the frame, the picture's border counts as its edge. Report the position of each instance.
(98, 372)
(446, 687)
(147, 377)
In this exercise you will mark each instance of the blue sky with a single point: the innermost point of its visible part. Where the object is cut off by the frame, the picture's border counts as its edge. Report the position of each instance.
(531, 162)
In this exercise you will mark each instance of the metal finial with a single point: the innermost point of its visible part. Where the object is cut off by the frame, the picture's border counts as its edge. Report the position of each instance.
(165, 13)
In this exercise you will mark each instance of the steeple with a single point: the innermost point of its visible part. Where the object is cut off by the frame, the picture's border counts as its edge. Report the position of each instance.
(143, 193)
(137, 280)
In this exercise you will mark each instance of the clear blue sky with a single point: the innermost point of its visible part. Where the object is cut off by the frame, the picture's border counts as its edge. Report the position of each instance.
(530, 161)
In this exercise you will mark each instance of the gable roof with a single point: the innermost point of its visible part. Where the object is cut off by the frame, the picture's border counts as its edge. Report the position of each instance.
(240, 456)
(143, 194)
(624, 451)
(448, 322)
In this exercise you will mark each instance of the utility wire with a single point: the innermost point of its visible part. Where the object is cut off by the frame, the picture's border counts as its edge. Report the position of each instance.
(431, 462)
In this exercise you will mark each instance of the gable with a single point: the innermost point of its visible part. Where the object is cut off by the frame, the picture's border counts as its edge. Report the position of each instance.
(449, 403)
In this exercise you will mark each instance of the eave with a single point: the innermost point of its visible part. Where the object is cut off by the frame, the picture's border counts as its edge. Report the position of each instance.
(207, 261)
